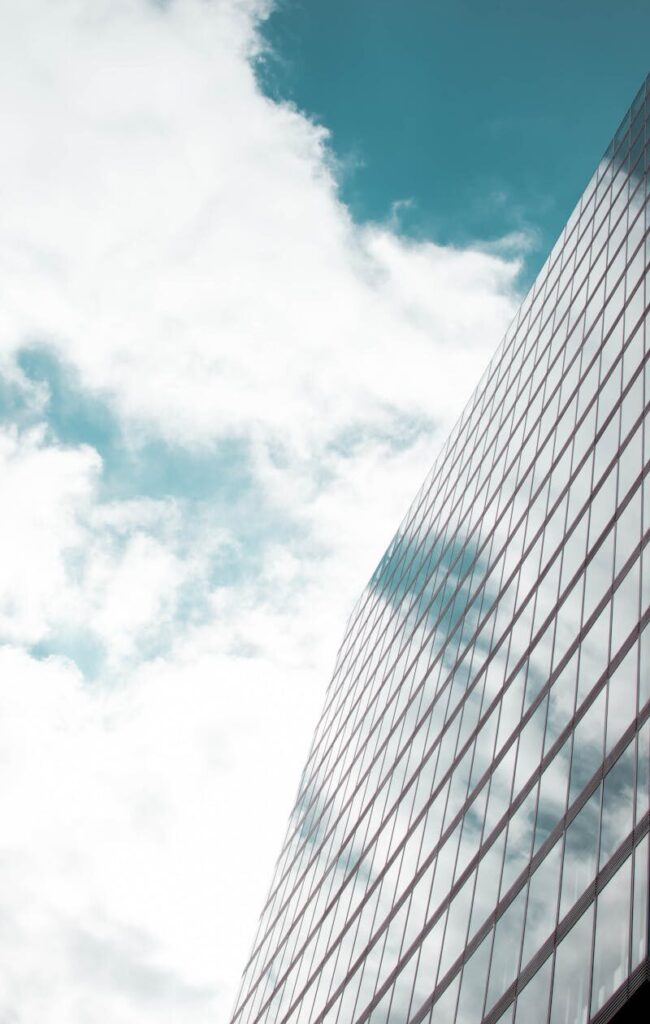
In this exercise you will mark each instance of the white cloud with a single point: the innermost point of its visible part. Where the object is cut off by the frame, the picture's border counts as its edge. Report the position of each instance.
(72, 564)
(176, 239)
(42, 490)
(187, 245)
(125, 809)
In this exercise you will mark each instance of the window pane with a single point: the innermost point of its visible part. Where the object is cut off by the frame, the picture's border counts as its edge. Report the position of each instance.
(612, 936)
(580, 853)
(532, 1002)
(571, 979)
(542, 902)
(618, 804)
(520, 836)
(587, 746)
(487, 884)
(457, 920)
(445, 1007)
(621, 706)
(507, 1016)
(552, 794)
(505, 955)
(472, 990)
(640, 904)
(643, 772)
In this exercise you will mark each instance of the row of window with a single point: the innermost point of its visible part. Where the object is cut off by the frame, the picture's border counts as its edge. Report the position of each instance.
(558, 365)
(629, 404)
(393, 751)
(536, 817)
(548, 279)
(634, 462)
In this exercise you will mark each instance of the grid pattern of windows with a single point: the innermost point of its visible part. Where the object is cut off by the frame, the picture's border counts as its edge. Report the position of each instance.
(470, 838)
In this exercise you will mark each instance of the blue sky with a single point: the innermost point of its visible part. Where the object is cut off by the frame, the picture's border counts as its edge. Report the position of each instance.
(252, 262)
(489, 117)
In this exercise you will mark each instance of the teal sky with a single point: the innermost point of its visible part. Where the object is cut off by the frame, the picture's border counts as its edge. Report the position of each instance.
(489, 116)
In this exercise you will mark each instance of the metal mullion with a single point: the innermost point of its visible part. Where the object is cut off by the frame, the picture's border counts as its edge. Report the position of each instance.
(361, 856)
(532, 711)
(570, 813)
(607, 197)
(631, 382)
(523, 341)
(527, 380)
(562, 928)
(518, 800)
(625, 850)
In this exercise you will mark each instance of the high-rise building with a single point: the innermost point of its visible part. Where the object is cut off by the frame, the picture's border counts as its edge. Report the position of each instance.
(470, 838)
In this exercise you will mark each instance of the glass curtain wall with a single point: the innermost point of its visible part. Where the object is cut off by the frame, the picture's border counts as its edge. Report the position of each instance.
(470, 838)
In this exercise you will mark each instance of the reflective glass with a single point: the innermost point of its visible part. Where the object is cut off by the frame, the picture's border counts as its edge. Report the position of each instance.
(505, 952)
(612, 941)
(532, 1002)
(580, 853)
(570, 996)
(617, 814)
(472, 989)
(541, 911)
(640, 904)
(477, 791)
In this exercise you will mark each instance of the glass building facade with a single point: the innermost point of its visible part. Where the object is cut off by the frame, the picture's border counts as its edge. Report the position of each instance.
(470, 838)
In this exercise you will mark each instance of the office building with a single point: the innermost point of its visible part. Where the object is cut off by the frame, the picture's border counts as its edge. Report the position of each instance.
(470, 838)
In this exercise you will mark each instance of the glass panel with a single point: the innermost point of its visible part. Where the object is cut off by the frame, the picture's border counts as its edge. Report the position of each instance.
(429, 956)
(618, 803)
(580, 848)
(644, 675)
(487, 884)
(570, 1000)
(611, 949)
(532, 1001)
(500, 787)
(587, 746)
(621, 706)
(530, 747)
(594, 654)
(643, 773)
(625, 607)
(457, 919)
(552, 794)
(505, 955)
(472, 989)
(640, 904)
(511, 705)
(542, 902)
(444, 1009)
(382, 1013)
(520, 836)
(561, 701)
(397, 999)
(507, 1016)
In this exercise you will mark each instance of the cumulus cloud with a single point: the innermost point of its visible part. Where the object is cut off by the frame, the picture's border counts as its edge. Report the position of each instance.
(43, 490)
(187, 246)
(241, 389)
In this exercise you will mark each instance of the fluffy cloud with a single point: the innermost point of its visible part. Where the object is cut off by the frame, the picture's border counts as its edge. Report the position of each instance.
(43, 490)
(185, 240)
(270, 379)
